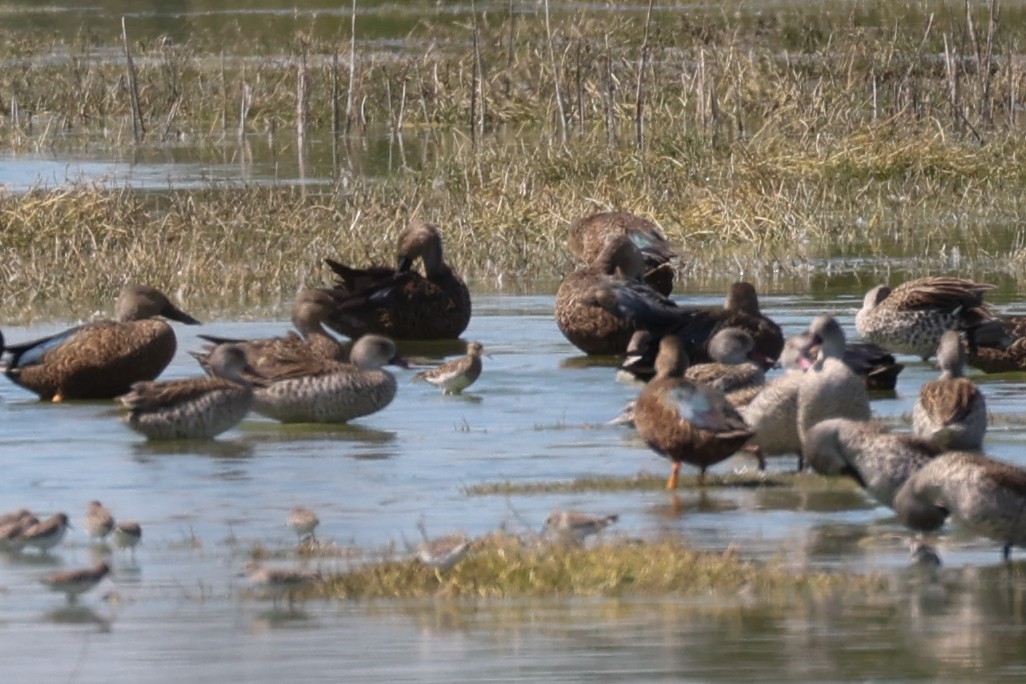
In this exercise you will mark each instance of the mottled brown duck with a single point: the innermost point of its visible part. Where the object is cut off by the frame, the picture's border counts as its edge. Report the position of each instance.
(306, 389)
(912, 317)
(583, 320)
(684, 421)
(736, 364)
(101, 360)
(401, 303)
(985, 496)
(310, 309)
(951, 411)
(998, 345)
(194, 408)
(588, 237)
(880, 462)
(829, 389)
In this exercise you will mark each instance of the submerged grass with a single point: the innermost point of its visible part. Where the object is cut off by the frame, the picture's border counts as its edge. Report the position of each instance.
(768, 144)
(505, 566)
(642, 481)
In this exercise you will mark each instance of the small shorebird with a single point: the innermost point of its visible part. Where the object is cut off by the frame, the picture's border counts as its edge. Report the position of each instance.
(571, 526)
(951, 411)
(456, 375)
(442, 553)
(127, 534)
(11, 531)
(277, 582)
(46, 534)
(14, 516)
(303, 522)
(98, 521)
(75, 582)
(193, 408)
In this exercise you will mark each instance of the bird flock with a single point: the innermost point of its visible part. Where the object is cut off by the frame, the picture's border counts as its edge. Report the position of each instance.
(705, 393)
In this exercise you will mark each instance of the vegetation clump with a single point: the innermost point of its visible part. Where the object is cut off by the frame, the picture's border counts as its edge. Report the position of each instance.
(507, 566)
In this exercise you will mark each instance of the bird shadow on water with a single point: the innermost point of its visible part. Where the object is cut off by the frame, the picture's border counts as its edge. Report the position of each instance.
(211, 448)
(278, 617)
(74, 614)
(264, 433)
(577, 362)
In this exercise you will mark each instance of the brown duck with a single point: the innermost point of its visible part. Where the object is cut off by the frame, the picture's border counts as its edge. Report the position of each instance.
(951, 410)
(912, 317)
(647, 310)
(101, 360)
(588, 237)
(684, 421)
(310, 309)
(585, 322)
(401, 303)
(998, 345)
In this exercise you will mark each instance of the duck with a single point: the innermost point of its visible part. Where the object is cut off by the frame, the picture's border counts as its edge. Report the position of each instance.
(194, 408)
(101, 360)
(588, 236)
(772, 414)
(684, 421)
(457, 375)
(997, 345)
(951, 411)
(829, 388)
(984, 495)
(735, 365)
(880, 462)
(650, 311)
(583, 321)
(311, 307)
(875, 365)
(305, 389)
(911, 318)
(401, 303)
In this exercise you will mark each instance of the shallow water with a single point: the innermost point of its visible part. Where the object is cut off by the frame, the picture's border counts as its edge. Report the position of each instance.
(178, 612)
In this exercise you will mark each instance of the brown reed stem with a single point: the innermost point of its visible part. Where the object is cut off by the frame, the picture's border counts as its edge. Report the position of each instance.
(639, 112)
(138, 128)
(555, 76)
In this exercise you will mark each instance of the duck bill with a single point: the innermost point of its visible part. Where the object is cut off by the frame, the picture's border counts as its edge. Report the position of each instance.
(399, 361)
(176, 314)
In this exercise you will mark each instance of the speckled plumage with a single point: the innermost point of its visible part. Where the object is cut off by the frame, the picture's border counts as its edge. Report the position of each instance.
(589, 235)
(912, 317)
(583, 321)
(303, 521)
(101, 360)
(400, 303)
(45, 534)
(829, 388)
(276, 582)
(442, 553)
(456, 375)
(951, 411)
(879, 461)
(986, 496)
(310, 390)
(98, 520)
(684, 421)
(571, 526)
(733, 366)
(193, 408)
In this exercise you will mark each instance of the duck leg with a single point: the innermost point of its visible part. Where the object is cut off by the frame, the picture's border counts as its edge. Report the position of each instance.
(671, 483)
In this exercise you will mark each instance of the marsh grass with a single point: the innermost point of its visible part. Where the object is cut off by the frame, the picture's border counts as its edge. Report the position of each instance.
(777, 144)
(506, 566)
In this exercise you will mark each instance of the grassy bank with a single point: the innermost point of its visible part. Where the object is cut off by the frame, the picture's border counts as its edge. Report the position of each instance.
(763, 141)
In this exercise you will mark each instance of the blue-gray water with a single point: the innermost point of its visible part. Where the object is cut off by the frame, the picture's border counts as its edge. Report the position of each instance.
(179, 612)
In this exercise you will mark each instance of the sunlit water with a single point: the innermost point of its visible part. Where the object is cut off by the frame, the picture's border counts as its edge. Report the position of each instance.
(179, 611)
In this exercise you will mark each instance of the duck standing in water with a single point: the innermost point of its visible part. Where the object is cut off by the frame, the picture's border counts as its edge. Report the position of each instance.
(194, 408)
(985, 496)
(684, 421)
(401, 303)
(829, 388)
(101, 360)
(951, 410)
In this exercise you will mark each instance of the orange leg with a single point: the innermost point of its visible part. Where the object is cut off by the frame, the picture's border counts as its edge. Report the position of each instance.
(57, 398)
(671, 483)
